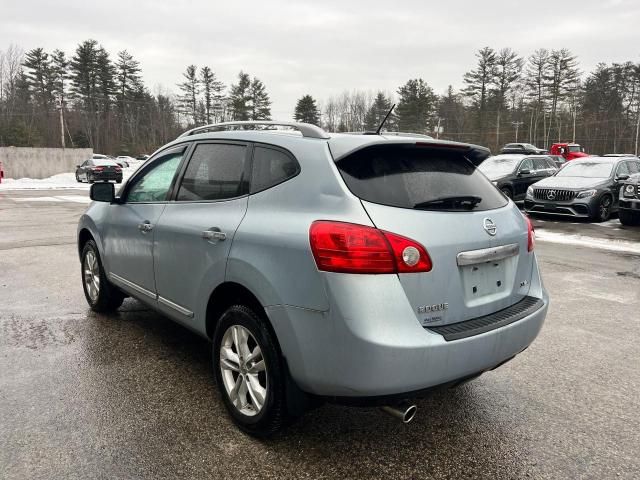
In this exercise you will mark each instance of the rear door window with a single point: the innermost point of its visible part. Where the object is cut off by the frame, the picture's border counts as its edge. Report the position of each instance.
(271, 167)
(409, 176)
(216, 171)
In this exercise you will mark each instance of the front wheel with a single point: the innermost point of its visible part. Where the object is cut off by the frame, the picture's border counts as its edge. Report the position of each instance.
(507, 193)
(101, 295)
(78, 178)
(629, 218)
(249, 371)
(603, 209)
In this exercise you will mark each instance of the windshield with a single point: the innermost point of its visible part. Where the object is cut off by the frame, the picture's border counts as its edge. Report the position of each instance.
(498, 166)
(586, 170)
(419, 178)
(574, 148)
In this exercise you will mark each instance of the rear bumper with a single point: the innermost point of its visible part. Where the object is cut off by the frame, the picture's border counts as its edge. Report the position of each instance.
(385, 354)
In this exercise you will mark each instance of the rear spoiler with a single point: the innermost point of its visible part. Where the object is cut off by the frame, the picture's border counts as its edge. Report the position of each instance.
(474, 153)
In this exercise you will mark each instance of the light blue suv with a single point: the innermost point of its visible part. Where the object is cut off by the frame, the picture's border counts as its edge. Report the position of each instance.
(362, 269)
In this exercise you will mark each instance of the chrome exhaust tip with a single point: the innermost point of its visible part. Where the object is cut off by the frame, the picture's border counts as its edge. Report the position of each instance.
(405, 413)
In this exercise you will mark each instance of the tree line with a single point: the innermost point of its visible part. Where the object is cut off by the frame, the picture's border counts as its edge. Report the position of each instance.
(94, 99)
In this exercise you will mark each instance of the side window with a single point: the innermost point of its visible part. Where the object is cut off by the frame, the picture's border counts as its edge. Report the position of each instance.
(623, 168)
(526, 164)
(551, 164)
(154, 184)
(215, 172)
(271, 167)
(540, 164)
(634, 167)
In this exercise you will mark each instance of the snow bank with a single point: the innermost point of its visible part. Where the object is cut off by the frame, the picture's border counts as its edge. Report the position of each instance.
(589, 242)
(57, 182)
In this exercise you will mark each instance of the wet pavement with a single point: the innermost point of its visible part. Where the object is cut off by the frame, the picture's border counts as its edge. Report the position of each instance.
(132, 395)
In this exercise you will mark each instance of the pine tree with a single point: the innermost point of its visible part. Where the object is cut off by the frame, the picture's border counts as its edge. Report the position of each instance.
(478, 83)
(260, 102)
(240, 97)
(127, 72)
(508, 67)
(416, 106)
(212, 90)
(39, 77)
(307, 111)
(376, 113)
(535, 74)
(561, 79)
(190, 90)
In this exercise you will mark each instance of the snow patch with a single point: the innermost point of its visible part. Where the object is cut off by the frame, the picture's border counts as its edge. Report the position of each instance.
(589, 242)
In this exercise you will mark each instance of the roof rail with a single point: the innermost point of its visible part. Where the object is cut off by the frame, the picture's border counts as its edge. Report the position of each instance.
(307, 129)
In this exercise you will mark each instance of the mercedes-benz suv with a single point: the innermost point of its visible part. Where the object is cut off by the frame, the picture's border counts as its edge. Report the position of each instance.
(363, 269)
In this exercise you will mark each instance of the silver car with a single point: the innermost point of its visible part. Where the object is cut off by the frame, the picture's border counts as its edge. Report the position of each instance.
(360, 269)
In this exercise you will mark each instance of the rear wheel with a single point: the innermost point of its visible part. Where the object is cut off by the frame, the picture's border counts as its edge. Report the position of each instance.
(507, 192)
(249, 371)
(629, 218)
(101, 295)
(603, 209)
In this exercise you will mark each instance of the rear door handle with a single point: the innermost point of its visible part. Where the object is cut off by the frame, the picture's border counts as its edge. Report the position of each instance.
(145, 227)
(214, 234)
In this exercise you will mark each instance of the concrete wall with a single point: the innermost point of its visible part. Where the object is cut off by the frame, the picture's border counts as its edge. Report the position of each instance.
(25, 162)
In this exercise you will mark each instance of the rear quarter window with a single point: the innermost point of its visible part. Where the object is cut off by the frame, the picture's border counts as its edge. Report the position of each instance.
(408, 176)
(271, 167)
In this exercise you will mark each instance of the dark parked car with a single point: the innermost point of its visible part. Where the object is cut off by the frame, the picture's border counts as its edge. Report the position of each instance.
(525, 148)
(94, 170)
(629, 202)
(142, 157)
(586, 188)
(513, 174)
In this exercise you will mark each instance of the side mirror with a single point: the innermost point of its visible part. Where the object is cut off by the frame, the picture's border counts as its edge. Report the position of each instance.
(524, 171)
(102, 192)
(77, 166)
(621, 178)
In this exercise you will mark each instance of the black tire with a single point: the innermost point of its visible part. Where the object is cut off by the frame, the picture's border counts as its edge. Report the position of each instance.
(629, 218)
(109, 297)
(507, 192)
(78, 178)
(602, 212)
(273, 414)
(90, 179)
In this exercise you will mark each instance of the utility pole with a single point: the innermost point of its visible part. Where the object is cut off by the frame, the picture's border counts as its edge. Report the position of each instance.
(637, 128)
(517, 125)
(438, 130)
(61, 124)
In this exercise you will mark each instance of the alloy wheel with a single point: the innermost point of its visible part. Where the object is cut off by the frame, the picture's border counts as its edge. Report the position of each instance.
(243, 369)
(605, 207)
(91, 271)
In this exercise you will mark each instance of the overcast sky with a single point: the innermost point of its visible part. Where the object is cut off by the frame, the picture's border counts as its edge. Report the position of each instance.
(324, 47)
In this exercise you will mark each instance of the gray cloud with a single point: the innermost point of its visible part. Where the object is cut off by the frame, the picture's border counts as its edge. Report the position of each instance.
(323, 48)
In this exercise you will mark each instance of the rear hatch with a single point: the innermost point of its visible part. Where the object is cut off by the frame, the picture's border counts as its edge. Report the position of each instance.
(476, 238)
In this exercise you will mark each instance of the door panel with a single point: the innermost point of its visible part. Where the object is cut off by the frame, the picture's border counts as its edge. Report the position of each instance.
(129, 245)
(195, 232)
(190, 261)
(129, 230)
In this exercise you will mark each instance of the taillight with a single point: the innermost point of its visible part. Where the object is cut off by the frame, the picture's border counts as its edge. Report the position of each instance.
(97, 169)
(531, 235)
(118, 169)
(351, 248)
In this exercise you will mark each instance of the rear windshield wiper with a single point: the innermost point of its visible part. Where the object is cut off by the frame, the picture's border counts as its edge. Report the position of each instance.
(461, 202)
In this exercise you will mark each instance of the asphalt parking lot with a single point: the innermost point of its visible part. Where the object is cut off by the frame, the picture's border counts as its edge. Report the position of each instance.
(132, 395)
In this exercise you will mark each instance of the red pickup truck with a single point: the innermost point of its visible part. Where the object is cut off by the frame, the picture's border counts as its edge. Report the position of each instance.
(570, 151)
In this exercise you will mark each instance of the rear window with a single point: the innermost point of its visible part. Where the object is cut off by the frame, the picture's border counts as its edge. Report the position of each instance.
(421, 178)
(105, 163)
